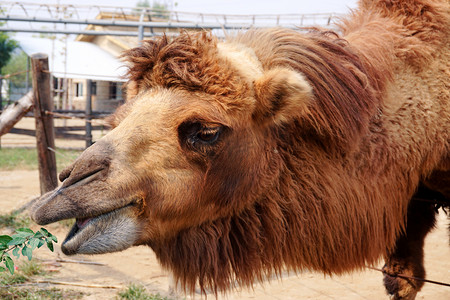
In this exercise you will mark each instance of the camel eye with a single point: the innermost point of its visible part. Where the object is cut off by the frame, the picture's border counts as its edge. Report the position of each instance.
(199, 136)
(208, 135)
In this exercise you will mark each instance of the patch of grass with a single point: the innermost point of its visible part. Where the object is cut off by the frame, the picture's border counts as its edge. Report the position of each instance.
(18, 158)
(25, 270)
(7, 279)
(15, 286)
(39, 294)
(14, 220)
(31, 268)
(137, 292)
(26, 159)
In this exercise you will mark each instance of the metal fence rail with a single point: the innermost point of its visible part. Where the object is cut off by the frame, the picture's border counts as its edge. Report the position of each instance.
(73, 19)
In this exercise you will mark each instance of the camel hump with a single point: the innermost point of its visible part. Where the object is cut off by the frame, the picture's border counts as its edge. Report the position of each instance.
(419, 29)
(421, 17)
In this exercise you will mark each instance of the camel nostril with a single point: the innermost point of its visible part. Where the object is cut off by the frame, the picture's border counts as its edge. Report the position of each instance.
(65, 173)
(92, 161)
(82, 177)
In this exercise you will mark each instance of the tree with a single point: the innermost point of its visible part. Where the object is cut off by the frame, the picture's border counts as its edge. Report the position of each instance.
(7, 46)
(143, 3)
(17, 64)
(159, 9)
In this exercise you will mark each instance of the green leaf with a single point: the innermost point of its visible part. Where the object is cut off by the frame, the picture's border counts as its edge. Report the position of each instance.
(17, 241)
(54, 238)
(41, 243)
(45, 232)
(9, 264)
(5, 239)
(50, 245)
(28, 230)
(33, 243)
(3, 246)
(2, 269)
(23, 235)
(26, 251)
(16, 252)
(38, 235)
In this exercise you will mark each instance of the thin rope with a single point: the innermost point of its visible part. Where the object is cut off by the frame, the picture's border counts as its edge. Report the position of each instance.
(59, 153)
(63, 116)
(409, 277)
(13, 74)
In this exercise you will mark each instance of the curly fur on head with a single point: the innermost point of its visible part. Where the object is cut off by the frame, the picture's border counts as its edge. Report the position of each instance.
(189, 61)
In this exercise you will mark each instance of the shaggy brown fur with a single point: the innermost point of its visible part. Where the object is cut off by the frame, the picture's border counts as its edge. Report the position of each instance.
(307, 162)
(348, 83)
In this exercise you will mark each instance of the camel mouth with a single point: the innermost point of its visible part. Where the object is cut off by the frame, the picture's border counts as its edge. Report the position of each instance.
(109, 232)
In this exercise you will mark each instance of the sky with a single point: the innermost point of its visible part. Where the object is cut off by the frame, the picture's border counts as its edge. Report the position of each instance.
(228, 7)
(231, 6)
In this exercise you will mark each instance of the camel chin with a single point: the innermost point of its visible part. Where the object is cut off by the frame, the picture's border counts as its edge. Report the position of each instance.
(110, 232)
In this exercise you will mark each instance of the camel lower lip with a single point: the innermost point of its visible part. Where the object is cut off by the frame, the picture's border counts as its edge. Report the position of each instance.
(79, 225)
(115, 229)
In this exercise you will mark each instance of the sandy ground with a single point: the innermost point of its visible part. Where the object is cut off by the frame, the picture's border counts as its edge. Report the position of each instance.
(139, 265)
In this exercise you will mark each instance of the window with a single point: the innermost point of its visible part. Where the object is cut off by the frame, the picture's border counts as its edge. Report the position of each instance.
(113, 90)
(78, 89)
(94, 88)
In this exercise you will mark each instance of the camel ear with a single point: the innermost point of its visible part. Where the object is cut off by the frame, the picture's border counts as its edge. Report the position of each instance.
(281, 95)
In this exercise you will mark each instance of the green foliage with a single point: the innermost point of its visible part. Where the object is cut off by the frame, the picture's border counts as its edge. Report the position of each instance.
(26, 159)
(143, 3)
(137, 292)
(17, 65)
(12, 293)
(23, 243)
(18, 158)
(25, 270)
(31, 268)
(7, 46)
(14, 220)
(159, 9)
(10, 279)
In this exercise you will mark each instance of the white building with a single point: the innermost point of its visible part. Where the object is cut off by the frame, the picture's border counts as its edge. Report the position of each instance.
(72, 63)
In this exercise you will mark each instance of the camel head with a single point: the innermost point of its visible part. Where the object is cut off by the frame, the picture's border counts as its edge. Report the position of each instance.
(191, 146)
(212, 153)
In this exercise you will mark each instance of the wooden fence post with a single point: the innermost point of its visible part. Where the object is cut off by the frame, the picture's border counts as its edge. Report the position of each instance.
(14, 112)
(88, 112)
(45, 136)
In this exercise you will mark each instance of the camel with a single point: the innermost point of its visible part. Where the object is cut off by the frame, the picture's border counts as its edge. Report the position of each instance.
(273, 150)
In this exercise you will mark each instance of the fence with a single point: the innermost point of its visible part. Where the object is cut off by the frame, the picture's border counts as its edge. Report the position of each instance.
(92, 118)
(42, 96)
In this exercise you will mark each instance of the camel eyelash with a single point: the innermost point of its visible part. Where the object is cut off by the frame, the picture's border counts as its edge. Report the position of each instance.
(198, 136)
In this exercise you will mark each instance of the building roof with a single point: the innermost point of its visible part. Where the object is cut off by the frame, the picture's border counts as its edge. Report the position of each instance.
(75, 59)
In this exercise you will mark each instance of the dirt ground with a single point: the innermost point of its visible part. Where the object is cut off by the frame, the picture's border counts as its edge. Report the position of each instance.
(139, 265)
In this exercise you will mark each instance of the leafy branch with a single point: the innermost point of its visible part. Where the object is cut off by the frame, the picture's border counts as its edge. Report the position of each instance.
(23, 242)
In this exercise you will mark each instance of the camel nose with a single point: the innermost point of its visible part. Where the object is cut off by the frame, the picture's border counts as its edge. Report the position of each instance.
(92, 161)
